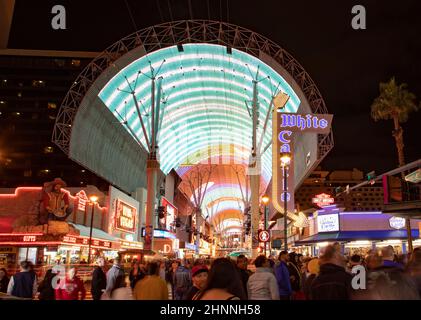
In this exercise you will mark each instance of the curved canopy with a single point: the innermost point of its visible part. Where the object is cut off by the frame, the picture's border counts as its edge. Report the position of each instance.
(204, 94)
(206, 100)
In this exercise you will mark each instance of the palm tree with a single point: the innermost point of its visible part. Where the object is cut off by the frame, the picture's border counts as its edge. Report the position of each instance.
(395, 103)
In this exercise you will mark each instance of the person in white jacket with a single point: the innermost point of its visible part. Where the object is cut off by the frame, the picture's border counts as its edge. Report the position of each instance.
(262, 284)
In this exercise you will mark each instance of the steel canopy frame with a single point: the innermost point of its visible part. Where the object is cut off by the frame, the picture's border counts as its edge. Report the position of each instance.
(182, 32)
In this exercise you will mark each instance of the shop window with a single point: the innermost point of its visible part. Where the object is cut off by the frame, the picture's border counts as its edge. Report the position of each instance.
(52, 105)
(29, 254)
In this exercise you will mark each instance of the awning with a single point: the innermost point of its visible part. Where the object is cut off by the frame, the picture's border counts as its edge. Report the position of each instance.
(358, 235)
(96, 233)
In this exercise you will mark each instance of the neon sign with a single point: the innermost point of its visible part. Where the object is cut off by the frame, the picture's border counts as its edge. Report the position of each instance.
(397, 223)
(284, 128)
(171, 213)
(125, 217)
(328, 223)
(82, 200)
(322, 200)
(29, 238)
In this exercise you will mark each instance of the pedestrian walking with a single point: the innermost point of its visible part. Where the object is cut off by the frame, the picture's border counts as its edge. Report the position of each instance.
(182, 281)
(99, 280)
(242, 266)
(282, 277)
(120, 291)
(45, 289)
(71, 287)
(151, 287)
(4, 280)
(313, 269)
(333, 282)
(224, 282)
(199, 278)
(136, 273)
(23, 284)
(414, 268)
(262, 284)
(112, 274)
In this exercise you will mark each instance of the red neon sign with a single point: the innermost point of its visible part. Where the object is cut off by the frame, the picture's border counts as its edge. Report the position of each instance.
(125, 217)
(322, 200)
(82, 200)
(29, 238)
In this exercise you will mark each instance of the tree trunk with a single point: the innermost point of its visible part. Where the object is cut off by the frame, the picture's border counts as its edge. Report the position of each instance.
(398, 134)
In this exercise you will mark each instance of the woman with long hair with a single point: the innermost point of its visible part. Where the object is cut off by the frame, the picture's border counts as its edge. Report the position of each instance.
(223, 283)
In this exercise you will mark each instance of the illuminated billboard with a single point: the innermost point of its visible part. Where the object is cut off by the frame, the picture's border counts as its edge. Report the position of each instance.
(328, 223)
(125, 217)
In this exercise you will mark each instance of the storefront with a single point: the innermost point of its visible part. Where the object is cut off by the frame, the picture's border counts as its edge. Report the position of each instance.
(187, 250)
(47, 249)
(357, 232)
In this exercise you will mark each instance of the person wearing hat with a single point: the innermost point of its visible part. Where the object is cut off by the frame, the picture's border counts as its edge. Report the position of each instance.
(199, 278)
(313, 268)
(56, 202)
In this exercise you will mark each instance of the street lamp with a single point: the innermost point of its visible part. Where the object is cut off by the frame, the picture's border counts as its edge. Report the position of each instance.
(285, 161)
(265, 201)
(93, 200)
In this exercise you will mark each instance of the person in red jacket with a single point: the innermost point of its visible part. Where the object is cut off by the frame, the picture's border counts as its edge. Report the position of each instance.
(70, 287)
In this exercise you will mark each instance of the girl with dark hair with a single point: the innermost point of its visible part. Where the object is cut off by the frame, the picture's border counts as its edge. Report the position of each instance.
(223, 283)
(46, 290)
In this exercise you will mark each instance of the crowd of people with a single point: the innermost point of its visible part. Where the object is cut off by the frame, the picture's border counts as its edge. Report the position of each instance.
(289, 276)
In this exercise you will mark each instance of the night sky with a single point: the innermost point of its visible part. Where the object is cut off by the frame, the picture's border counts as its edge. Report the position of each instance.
(346, 64)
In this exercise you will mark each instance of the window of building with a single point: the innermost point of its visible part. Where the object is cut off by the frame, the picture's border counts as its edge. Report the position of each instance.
(38, 83)
(52, 105)
(48, 149)
(75, 62)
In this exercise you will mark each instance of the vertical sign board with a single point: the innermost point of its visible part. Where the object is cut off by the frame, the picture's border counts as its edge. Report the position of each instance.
(285, 126)
(123, 217)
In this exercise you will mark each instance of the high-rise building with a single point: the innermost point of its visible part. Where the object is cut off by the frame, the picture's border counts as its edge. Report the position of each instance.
(32, 89)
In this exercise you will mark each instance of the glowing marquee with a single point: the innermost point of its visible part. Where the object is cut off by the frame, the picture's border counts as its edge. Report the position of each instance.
(284, 127)
(125, 217)
(322, 200)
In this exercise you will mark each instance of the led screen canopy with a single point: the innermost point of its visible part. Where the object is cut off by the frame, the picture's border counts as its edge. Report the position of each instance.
(204, 95)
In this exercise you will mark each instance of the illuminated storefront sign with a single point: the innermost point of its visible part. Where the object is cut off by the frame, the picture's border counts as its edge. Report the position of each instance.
(85, 241)
(125, 217)
(157, 233)
(322, 200)
(82, 200)
(285, 126)
(328, 223)
(131, 245)
(397, 223)
(170, 214)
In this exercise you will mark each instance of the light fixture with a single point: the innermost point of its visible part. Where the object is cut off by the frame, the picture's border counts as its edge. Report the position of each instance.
(93, 199)
(265, 199)
(285, 158)
(2, 102)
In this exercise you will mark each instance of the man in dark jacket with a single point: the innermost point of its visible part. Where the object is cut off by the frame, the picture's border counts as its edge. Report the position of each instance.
(282, 277)
(23, 284)
(333, 282)
(242, 263)
(99, 280)
(182, 281)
